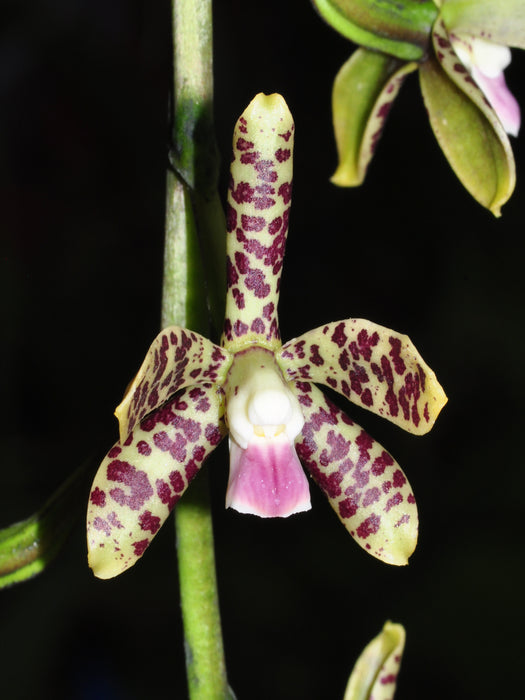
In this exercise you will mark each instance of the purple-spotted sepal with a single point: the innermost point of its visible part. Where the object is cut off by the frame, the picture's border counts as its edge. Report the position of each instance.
(363, 483)
(141, 479)
(372, 366)
(257, 213)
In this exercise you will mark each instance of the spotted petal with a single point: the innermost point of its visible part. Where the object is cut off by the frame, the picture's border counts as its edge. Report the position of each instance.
(372, 366)
(375, 673)
(466, 126)
(259, 198)
(140, 480)
(177, 358)
(365, 486)
(364, 91)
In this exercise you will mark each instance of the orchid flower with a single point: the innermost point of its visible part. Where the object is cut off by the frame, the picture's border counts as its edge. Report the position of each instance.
(461, 48)
(374, 676)
(189, 392)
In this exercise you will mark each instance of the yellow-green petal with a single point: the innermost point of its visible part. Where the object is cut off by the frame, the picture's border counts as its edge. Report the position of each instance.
(466, 127)
(375, 367)
(176, 359)
(141, 479)
(363, 92)
(375, 673)
(363, 483)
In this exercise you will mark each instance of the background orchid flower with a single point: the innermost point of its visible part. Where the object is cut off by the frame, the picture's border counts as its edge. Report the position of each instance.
(374, 676)
(460, 48)
(189, 392)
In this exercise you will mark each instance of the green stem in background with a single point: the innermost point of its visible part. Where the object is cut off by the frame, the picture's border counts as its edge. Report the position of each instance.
(193, 297)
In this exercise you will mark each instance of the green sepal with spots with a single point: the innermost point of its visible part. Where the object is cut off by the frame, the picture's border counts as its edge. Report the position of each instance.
(257, 213)
(466, 127)
(363, 92)
(400, 28)
(372, 366)
(176, 359)
(363, 483)
(500, 21)
(374, 676)
(140, 480)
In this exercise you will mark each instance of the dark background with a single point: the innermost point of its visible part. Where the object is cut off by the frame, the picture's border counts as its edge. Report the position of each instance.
(83, 143)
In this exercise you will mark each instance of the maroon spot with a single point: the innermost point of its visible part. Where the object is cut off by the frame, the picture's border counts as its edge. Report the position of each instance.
(366, 398)
(332, 382)
(212, 434)
(371, 496)
(177, 482)
(256, 281)
(101, 525)
(395, 354)
(265, 172)
(410, 498)
(140, 547)
(253, 223)
(348, 508)
(249, 158)
(243, 144)
(241, 260)
(243, 193)
(285, 191)
(150, 522)
(261, 203)
(381, 463)
(165, 494)
(396, 499)
(239, 298)
(339, 336)
(98, 497)
(240, 328)
(268, 310)
(286, 135)
(143, 448)
(282, 154)
(315, 358)
(137, 482)
(258, 326)
(399, 479)
(369, 526)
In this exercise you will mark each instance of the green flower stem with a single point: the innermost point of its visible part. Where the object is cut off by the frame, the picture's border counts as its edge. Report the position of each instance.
(193, 296)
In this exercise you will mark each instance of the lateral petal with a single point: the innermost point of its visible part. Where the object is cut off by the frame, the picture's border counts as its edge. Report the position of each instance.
(363, 93)
(176, 359)
(141, 479)
(372, 366)
(365, 486)
(467, 128)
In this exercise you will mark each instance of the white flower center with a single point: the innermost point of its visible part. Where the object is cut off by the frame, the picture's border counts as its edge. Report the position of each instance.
(489, 58)
(259, 404)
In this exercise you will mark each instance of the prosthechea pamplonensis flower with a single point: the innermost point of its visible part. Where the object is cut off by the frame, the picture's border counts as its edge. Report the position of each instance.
(374, 676)
(189, 392)
(460, 48)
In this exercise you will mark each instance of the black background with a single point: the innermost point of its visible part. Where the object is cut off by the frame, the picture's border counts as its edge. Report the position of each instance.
(83, 143)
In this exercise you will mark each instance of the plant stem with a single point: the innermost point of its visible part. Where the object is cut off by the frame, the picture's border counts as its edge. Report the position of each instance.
(193, 294)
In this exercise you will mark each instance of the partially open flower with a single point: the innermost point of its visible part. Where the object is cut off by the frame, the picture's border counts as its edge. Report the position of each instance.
(460, 48)
(189, 393)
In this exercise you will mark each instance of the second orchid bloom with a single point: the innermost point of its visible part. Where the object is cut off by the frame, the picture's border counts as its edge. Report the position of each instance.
(190, 393)
(460, 49)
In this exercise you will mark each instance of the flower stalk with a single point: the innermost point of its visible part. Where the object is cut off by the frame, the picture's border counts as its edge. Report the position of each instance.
(193, 262)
